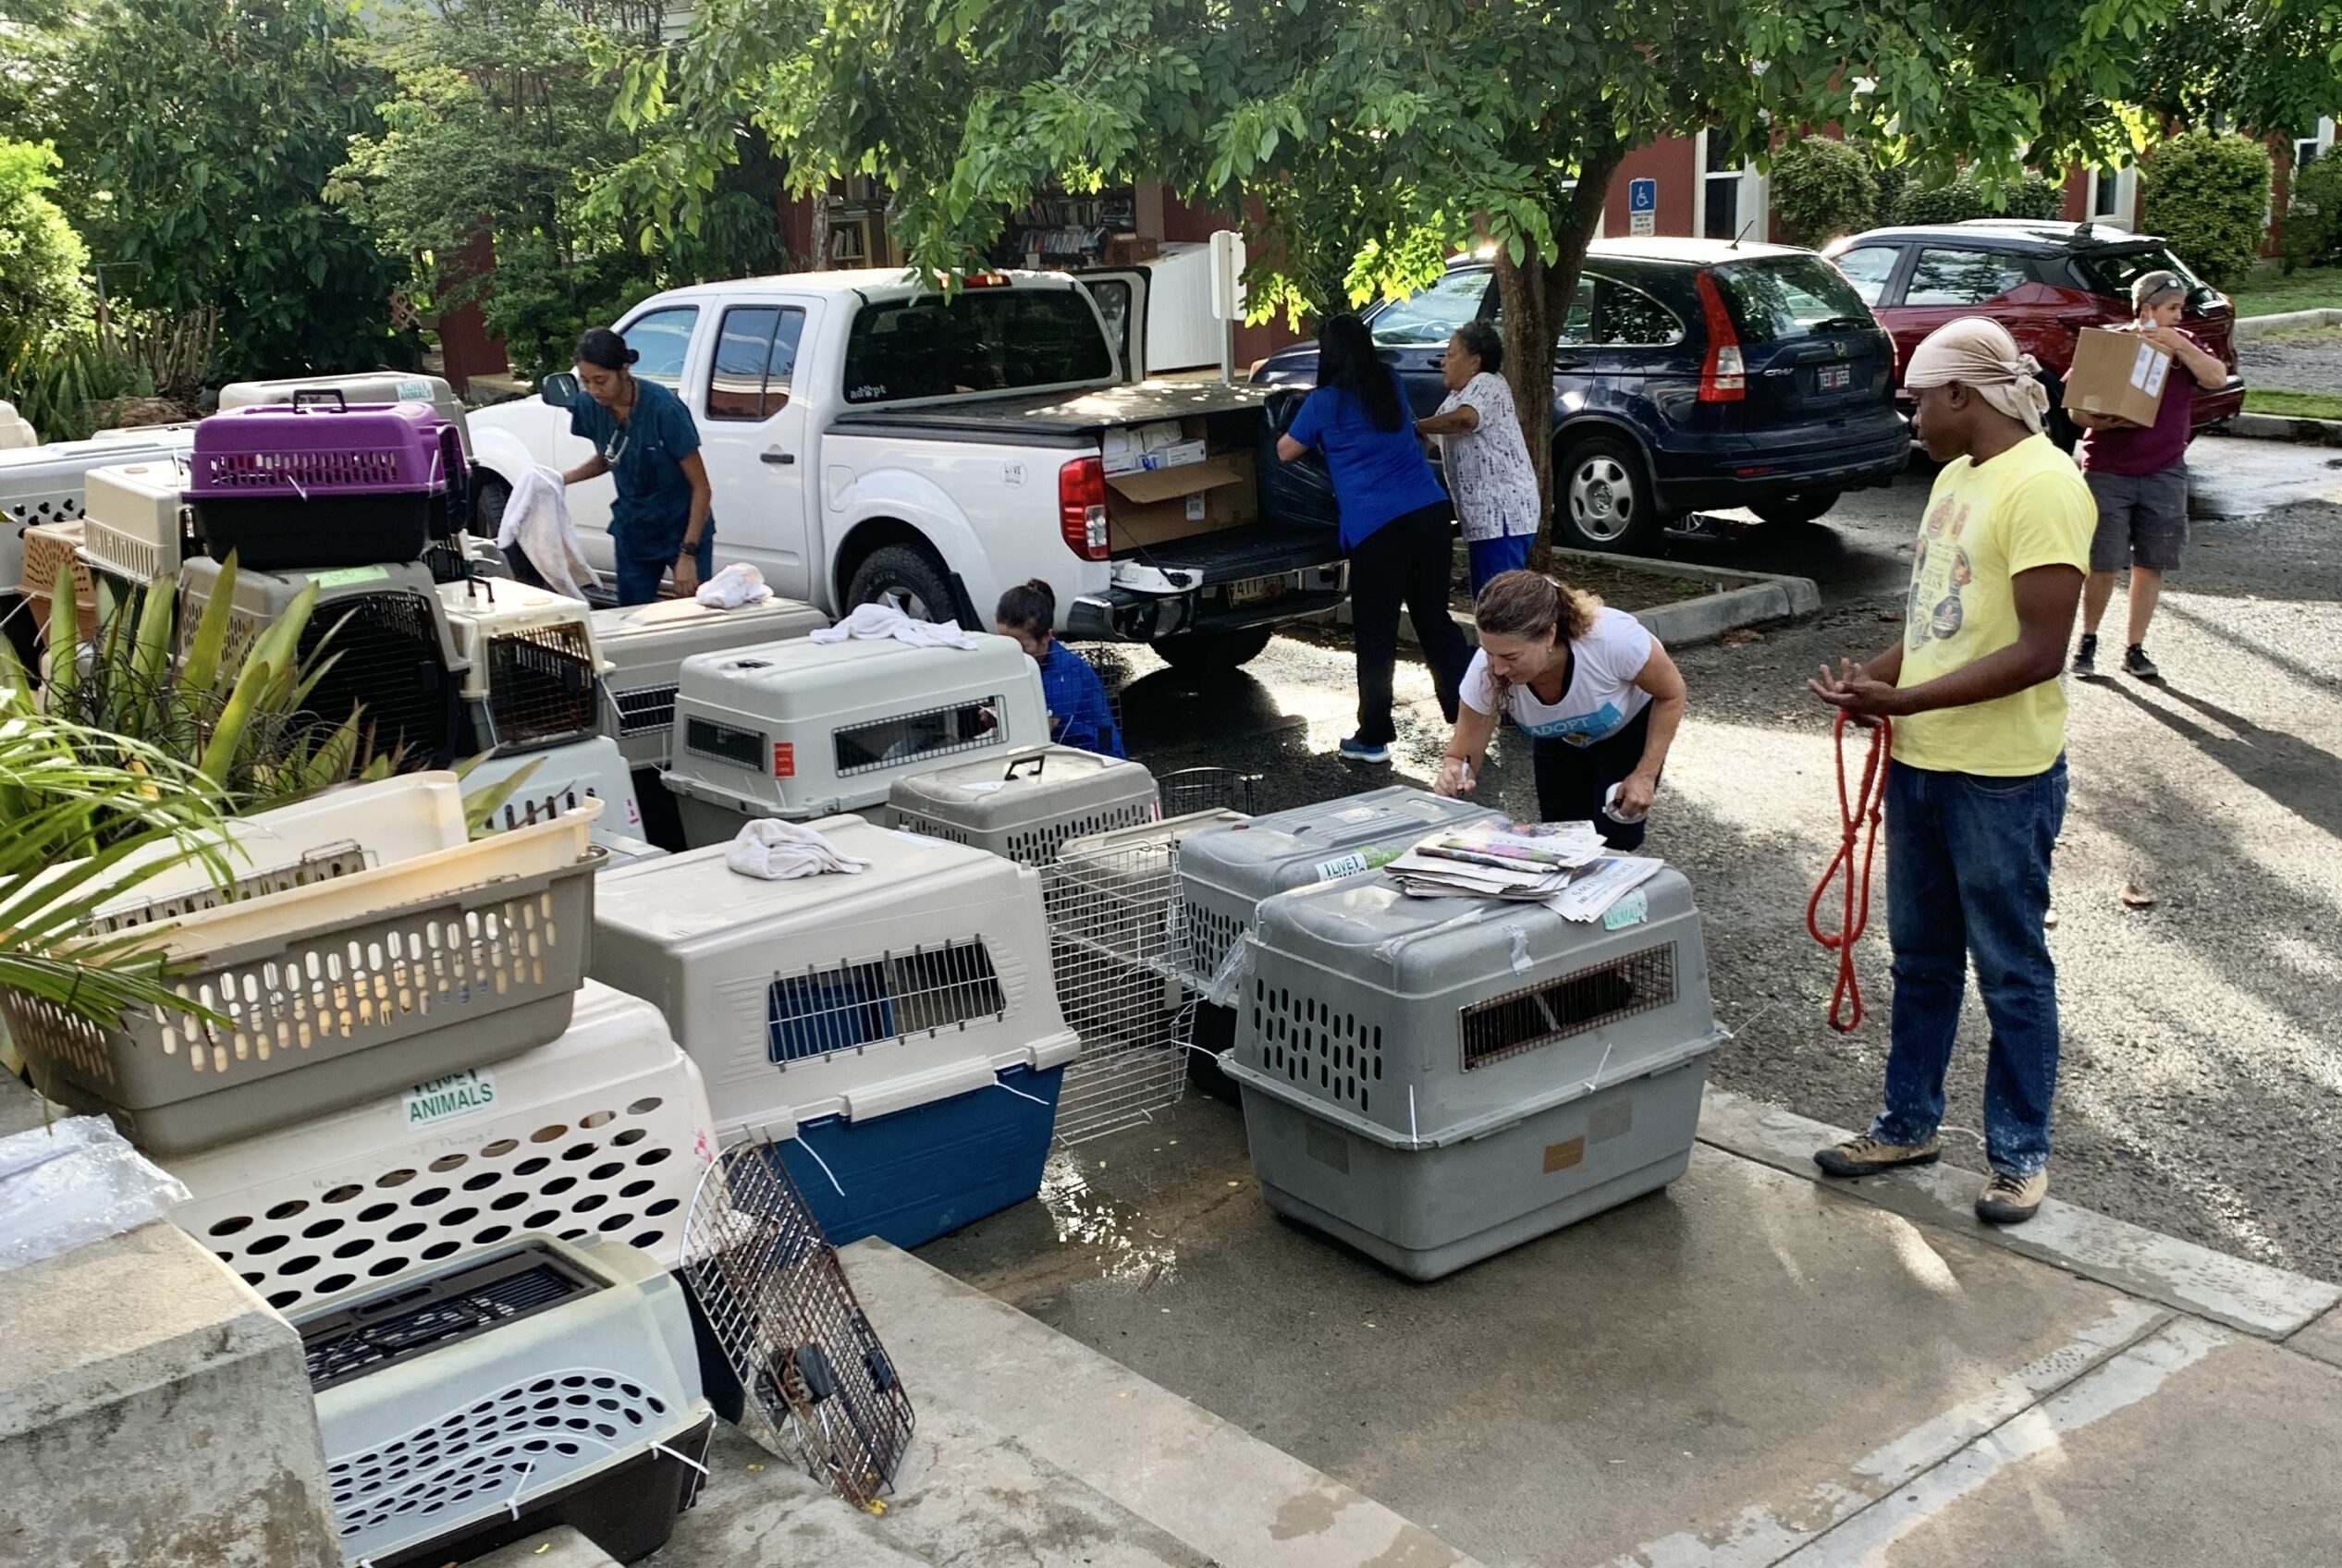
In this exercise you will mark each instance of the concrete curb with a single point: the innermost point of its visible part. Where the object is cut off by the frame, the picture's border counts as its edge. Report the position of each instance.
(2256, 1298)
(2284, 427)
(2249, 327)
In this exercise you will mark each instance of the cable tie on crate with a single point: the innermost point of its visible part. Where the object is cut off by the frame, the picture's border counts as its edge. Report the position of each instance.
(799, 1141)
(512, 1503)
(1020, 1093)
(671, 1453)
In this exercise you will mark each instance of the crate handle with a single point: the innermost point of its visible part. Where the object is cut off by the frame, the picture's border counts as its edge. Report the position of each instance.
(304, 395)
(1037, 763)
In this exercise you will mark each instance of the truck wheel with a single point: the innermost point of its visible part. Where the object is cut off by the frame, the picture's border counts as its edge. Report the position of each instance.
(906, 577)
(1798, 505)
(1603, 498)
(1203, 652)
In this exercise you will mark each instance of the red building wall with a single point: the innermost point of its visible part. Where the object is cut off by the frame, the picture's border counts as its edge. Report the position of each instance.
(1671, 162)
(1186, 225)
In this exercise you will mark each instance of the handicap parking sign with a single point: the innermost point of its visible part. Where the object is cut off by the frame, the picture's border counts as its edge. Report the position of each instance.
(1642, 195)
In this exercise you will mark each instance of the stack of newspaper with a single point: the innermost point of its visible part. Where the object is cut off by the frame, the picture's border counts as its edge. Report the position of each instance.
(1562, 865)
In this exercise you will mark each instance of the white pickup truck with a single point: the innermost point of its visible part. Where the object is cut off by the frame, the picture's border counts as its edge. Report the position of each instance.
(869, 440)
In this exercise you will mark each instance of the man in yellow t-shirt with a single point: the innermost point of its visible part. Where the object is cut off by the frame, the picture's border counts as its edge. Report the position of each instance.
(1976, 792)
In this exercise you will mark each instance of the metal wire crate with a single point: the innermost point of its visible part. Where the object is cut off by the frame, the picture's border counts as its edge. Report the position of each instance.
(1193, 789)
(821, 1390)
(533, 675)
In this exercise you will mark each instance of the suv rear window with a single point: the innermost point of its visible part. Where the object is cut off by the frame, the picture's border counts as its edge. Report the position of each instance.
(2113, 272)
(981, 340)
(1780, 299)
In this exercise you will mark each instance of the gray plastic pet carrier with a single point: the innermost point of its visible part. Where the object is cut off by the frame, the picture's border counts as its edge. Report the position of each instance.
(1022, 807)
(1435, 1080)
(542, 1385)
(46, 483)
(644, 646)
(358, 386)
(396, 655)
(557, 779)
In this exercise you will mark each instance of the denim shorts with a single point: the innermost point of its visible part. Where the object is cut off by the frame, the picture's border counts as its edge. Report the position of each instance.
(2142, 519)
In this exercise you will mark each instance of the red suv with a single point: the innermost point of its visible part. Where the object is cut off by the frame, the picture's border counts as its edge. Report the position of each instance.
(2043, 281)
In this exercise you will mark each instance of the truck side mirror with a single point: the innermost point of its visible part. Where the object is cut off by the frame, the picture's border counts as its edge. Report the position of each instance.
(559, 388)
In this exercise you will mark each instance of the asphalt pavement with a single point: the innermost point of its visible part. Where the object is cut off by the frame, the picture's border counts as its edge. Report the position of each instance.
(2198, 1094)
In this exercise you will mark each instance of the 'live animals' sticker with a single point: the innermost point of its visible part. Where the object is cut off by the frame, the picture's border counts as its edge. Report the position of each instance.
(1632, 909)
(1355, 862)
(342, 577)
(444, 1099)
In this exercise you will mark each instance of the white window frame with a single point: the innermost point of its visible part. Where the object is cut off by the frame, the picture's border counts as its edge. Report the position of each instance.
(1755, 196)
(2123, 211)
(2319, 142)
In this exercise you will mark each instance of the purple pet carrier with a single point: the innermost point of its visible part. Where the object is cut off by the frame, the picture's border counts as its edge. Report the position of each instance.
(327, 484)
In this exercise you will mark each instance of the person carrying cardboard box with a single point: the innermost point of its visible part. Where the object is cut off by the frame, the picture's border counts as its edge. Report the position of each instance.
(2139, 473)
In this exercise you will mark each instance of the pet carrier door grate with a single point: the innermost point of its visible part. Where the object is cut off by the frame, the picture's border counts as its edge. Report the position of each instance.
(821, 1390)
(1522, 1020)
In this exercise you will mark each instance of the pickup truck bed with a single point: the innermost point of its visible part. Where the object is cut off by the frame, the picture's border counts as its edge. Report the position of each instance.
(1072, 417)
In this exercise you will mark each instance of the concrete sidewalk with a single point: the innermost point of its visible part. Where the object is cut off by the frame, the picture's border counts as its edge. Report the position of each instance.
(1750, 1368)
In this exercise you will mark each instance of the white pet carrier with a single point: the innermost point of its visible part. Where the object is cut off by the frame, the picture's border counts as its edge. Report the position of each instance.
(899, 1022)
(643, 647)
(1022, 807)
(359, 386)
(544, 1384)
(601, 1134)
(1435, 1080)
(395, 658)
(46, 484)
(15, 432)
(801, 729)
(534, 676)
(557, 779)
(134, 519)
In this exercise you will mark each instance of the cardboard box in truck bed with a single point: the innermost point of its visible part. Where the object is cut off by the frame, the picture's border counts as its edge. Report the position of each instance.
(2118, 374)
(1157, 505)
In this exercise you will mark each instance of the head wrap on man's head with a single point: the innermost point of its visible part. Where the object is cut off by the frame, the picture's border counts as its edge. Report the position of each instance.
(1981, 356)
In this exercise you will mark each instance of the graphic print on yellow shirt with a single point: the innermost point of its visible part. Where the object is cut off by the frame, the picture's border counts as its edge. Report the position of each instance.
(1985, 524)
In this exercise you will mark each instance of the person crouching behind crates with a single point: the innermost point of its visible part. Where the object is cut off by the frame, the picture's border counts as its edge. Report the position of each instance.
(1596, 694)
(643, 438)
(1976, 786)
(1080, 716)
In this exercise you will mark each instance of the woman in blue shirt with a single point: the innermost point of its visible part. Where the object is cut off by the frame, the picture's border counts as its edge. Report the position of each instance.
(1079, 714)
(643, 438)
(1396, 525)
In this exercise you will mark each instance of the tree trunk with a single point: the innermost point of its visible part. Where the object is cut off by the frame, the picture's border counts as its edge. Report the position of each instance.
(1534, 299)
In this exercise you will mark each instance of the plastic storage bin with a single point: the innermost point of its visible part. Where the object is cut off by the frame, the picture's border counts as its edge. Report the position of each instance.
(582, 771)
(358, 386)
(325, 484)
(456, 958)
(134, 520)
(398, 658)
(533, 676)
(51, 549)
(543, 1385)
(1435, 1080)
(801, 730)
(871, 1026)
(601, 1134)
(1022, 807)
(643, 647)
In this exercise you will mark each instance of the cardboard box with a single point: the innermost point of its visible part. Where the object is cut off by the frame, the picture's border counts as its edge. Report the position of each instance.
(1128, 249)
(2117, 374)
(1157, 505)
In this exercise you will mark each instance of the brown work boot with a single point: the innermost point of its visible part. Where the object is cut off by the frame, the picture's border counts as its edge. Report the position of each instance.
(2012, 1200)
(1866, 1156)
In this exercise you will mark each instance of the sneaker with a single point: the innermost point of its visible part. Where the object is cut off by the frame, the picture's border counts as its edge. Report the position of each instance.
(2086, 656)
(2136, 663)
(2012, 1200)
(1356, 750)
(1866, 1156)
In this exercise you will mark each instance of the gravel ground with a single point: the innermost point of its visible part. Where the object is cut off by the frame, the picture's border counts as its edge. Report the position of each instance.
(2298, 362)
(2202, 1091)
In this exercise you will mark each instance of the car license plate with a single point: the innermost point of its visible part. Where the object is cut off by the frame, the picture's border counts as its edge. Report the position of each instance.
(1836, 378)
(1253, 590)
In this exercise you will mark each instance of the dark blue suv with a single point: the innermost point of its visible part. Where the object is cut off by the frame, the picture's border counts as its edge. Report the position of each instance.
(1692, 375)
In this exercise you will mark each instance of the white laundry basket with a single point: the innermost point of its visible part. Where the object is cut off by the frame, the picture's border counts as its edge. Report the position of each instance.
(801, 730)
(1435, 1080)
(1022, 807)
(533, 676)
(644, 646)
(601, 1134)
(540, 1385)
(895, 1032)
(134, 520)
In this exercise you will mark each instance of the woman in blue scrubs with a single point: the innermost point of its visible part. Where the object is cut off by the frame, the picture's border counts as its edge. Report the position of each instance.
(643, 438)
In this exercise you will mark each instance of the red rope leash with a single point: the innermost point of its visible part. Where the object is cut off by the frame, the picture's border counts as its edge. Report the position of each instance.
(1868, 801)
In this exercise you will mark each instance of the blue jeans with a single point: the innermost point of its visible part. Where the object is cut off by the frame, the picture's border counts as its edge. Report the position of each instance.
(1487, 558)
(638, 581)
(1967, 873)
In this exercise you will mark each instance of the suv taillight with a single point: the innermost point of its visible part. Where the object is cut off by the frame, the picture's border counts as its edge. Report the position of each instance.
(1725, 377)
(1080, 508)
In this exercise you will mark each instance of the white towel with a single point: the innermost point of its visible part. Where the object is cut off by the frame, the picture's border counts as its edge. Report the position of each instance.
(737, 585)
(876, 622)
(779, 851)
(537, 515)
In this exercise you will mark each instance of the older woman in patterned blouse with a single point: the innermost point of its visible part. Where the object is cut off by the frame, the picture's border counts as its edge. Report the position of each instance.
(1488, 471)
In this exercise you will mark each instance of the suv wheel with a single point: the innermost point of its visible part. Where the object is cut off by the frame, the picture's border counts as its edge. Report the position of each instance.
(1798, 505)
(1604, 501)
(908, 577)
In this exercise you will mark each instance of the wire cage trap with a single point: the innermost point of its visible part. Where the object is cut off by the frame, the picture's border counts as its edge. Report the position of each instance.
(1193, 789)
(821, 1392)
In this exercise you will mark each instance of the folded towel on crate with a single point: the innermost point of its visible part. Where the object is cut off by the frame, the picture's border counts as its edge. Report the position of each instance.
(737, 585)
(876, 622)
(536, 515)
(781, 851)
